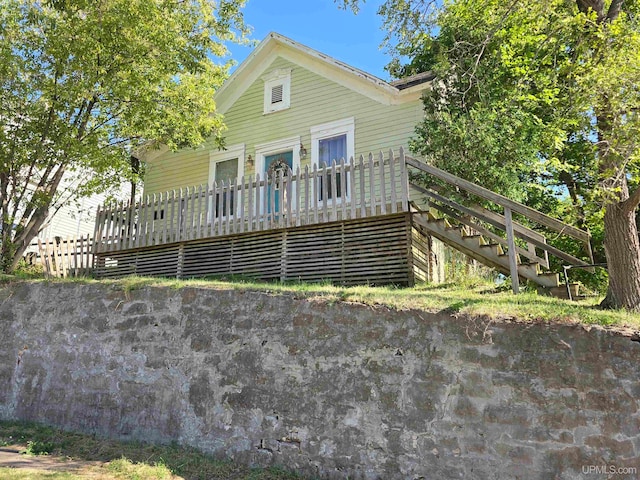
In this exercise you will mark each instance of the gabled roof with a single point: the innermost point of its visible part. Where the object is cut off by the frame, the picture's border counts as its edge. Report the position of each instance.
(276, 45)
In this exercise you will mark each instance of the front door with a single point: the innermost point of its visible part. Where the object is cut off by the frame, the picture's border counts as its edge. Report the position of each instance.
(275, 164)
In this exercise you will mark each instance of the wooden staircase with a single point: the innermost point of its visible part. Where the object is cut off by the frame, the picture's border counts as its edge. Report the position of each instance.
(482, 249)
(493, 239)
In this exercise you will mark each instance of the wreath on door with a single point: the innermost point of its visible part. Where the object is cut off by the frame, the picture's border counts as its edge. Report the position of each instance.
(279, 167)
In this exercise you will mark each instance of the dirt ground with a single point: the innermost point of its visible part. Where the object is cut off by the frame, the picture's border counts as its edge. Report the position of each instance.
(11, 457)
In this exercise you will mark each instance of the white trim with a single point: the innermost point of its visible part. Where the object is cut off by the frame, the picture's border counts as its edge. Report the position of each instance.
(215, 157)
(345, 126)
(277, 146)
(281, 76)
(235, 151)
(276, 45)
(271, 148)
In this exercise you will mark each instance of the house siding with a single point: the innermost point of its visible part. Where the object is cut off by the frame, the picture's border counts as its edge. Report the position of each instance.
(73, 219)
(314, 100)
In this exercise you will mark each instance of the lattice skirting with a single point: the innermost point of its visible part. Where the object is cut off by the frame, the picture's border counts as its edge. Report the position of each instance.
(375, 250)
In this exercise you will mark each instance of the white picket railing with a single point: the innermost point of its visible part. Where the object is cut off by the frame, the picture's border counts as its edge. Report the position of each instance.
(342, 191)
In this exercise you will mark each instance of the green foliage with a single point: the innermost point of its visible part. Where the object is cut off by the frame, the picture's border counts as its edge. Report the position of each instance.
(25, 269)
(465, 272)
(519, 84)
(125, 468)
(84, 85)
(126, 460)
(536, 100)
(35, 447)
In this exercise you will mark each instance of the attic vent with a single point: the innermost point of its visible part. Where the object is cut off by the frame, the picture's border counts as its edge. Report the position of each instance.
(277, 93)
(277, 90)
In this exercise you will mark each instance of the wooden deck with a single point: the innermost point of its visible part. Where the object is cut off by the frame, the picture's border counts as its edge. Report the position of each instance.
(282, 227)
(349, 223)
(362, 189)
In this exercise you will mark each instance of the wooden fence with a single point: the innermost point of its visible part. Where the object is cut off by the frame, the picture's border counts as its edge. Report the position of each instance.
(69, 257)
(343, 191)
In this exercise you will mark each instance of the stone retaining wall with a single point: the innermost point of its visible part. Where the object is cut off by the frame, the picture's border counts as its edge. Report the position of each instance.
(333, 390)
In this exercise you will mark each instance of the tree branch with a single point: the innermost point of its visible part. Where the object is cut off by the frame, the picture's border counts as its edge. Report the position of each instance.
(87, 115)
(31, 204)
(40, 213)
(631, 203)
(596, 5)
(614, 10)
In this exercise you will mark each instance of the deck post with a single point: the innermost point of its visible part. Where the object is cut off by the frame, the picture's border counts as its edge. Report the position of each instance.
(180, 261)
(404, 181)
(393, 182)
(363, 195)
(511, 244)
(352, 188)
(283, 256)
(182, 213)
(372, 187)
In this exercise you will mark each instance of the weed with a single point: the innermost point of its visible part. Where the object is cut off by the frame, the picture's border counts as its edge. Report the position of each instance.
(35, 447)
(123, 467)
(128, 460)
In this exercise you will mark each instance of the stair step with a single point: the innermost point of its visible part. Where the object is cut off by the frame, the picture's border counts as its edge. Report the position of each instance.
(531, 268)
(561, 291)
(436, 220)
(484, 241)
(496, 247)
(482, 249)
(473, 235)
(472, 241)
(548, 279)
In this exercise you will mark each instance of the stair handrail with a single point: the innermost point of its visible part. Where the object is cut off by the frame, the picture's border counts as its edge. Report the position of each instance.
(532, 214)
(499, 222)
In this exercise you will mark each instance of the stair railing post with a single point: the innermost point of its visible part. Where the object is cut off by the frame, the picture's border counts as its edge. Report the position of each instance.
(511, 244)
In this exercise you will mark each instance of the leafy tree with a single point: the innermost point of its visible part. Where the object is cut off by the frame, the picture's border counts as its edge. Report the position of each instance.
(532, 99)
(86, 82)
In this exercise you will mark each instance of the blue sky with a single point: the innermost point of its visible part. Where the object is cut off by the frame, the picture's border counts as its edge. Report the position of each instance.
(319, 24)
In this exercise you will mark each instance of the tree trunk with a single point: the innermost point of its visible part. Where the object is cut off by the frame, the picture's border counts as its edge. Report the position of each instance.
(622, 248)
(20, 247)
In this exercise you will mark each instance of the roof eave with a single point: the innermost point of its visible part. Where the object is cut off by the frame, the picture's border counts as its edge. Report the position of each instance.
(367, 84)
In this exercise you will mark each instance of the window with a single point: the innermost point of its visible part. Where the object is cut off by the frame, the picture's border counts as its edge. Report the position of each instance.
(330, 150)
(224, 166)
(224, 171)
(330, 142)
(277, 90)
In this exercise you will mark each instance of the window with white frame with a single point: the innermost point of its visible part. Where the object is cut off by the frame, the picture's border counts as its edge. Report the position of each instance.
(277, 90)
(332, 142)
(225, 166)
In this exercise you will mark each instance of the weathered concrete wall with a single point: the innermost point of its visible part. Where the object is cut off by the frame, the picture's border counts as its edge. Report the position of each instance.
(332, 390)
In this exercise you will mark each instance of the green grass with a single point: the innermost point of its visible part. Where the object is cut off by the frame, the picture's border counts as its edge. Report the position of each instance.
(25, 474)
(474, 298)
(126, 460)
